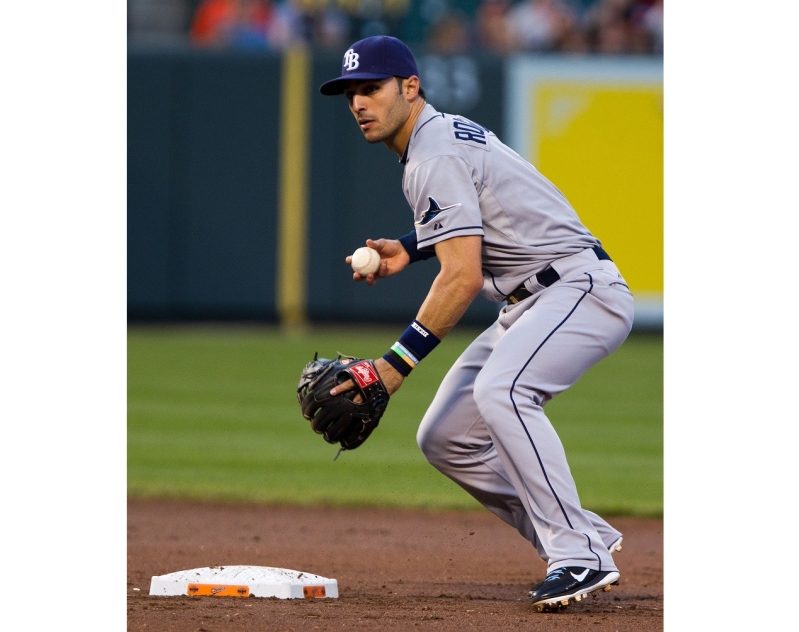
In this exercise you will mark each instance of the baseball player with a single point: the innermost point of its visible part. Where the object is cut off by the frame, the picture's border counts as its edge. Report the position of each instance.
(498, 228)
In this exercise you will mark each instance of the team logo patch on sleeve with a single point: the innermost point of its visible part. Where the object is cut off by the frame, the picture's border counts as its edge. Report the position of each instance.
(433, 210)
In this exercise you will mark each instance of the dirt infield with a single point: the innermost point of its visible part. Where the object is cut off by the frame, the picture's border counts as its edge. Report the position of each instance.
(396, 570)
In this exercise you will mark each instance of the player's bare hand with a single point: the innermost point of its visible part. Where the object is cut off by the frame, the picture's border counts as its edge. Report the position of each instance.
(392, 379)
(393, 259)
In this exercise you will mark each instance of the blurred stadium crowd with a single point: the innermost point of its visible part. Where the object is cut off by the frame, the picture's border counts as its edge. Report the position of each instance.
(623, 27)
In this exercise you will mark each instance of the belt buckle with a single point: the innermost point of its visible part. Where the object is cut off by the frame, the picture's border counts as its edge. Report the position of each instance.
(512, 299)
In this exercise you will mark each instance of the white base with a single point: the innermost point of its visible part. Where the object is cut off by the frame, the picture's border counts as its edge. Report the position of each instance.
(244, 581)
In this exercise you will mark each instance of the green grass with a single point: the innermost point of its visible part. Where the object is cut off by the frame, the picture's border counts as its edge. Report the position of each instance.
(213, 415)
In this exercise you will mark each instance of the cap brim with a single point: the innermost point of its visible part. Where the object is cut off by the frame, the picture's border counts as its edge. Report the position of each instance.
(336, 86)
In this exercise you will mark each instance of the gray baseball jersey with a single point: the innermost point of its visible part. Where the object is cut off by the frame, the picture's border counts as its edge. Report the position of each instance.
(486, 428)
(461, 180)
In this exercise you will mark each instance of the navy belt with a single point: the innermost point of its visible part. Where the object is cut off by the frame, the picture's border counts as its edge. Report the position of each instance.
(548, 277)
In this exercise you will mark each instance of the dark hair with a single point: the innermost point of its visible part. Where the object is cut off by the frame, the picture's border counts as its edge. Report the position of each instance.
(399, 85)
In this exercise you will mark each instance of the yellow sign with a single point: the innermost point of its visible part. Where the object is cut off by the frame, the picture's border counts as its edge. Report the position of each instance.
(601, 144)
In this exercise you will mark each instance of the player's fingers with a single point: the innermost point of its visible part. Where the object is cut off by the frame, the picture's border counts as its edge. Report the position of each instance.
(343, 387)
(348, 259)
(377, 244)
(357, 277)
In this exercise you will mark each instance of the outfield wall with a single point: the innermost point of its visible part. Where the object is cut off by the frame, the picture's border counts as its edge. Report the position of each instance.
(246, 188)
(202, 182)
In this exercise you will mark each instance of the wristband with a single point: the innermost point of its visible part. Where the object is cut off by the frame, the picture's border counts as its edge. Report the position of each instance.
(409, 243)
(398, 362)
(412, 347)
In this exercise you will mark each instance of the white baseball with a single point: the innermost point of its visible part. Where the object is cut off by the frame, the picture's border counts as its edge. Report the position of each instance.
(365, 261)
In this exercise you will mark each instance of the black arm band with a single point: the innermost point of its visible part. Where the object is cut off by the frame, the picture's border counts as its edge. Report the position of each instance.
(395, 360)
(409, 243)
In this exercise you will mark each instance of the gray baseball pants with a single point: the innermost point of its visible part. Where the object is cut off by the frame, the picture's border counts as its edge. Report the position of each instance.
(486, 428)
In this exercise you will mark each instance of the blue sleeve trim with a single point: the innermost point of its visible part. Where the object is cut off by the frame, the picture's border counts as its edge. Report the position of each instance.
(409, 243)
(446, 232)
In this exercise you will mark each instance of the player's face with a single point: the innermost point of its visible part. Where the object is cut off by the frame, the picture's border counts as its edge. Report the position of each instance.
(379, 108)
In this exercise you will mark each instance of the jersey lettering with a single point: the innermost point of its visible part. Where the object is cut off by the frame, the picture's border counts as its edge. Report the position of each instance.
(469, 132)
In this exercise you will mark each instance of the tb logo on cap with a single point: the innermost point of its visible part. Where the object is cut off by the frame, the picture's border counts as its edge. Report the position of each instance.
(351, 60)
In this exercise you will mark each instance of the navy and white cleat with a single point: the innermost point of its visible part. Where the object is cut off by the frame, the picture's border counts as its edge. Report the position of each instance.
(567, 584)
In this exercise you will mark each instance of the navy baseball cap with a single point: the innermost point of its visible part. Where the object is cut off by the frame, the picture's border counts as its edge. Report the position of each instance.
(378, 57)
